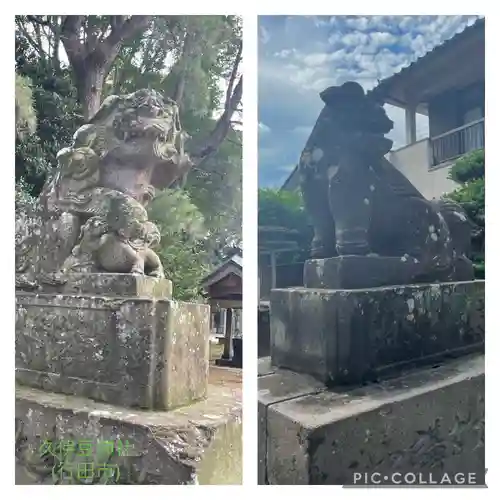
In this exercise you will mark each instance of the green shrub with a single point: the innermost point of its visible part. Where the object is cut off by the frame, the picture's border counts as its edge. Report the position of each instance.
(468, 171)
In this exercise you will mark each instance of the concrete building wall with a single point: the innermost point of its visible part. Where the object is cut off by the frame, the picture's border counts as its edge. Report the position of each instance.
(413, 161)
(449, 109)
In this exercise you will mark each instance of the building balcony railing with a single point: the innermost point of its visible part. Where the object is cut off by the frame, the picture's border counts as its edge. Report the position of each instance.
(457, 142)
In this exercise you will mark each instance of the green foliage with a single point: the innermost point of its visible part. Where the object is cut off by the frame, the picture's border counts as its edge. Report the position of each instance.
(469, 171)
(215, 188)
(57, 111)
(468, 168)
(23, 196)
(25, 111)
(183, 241)
(284, 216)
(198, 49)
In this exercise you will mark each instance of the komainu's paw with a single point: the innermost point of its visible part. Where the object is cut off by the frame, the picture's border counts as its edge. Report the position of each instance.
(137, 270)
(157, 273)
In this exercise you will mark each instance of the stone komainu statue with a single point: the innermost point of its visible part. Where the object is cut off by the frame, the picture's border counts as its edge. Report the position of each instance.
(92, 215)
(360, 204)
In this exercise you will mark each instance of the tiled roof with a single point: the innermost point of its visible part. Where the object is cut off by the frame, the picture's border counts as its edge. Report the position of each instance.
(232, 265)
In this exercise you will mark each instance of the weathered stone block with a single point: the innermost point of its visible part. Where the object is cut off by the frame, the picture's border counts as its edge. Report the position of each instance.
(273, 388)
(428, 421)
(182, 357)
(113, 284)
(264, 366)
(350, 272)
(198, 444)
(135, 352)
(349, 336)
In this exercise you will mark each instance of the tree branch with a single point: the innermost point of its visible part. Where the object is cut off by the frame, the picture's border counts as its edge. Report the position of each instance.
(120, 72)
(123, 29)
(233, 99)
(237, 143)
(180, 84)
(38, 20)
(221, 129)
(70, 36)
(31, 40)
(234, 72)
(39, 39)
(57, 42)
(91, 39)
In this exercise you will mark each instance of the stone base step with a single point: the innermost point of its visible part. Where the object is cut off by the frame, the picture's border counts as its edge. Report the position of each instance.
(70, 440)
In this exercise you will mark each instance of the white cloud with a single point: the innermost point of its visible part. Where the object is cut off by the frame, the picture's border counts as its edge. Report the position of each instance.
(355, 39)
(286, 168)
(406, 23)
(334, 39)
(358, 23)
(316, 59)
(323, 83)
(263, 128)
(354, 53)
(285, 53)
(382, 38)
(302, 132)
(419, 45)
(264, 35)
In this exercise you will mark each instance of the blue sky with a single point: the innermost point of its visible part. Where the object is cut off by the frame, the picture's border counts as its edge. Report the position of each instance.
(299, 56)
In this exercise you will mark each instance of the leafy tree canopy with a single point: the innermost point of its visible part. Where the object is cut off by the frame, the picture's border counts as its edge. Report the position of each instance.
(284, 224)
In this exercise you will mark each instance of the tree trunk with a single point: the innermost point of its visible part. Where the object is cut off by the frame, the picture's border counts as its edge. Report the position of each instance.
(91, 62)
(90, 82)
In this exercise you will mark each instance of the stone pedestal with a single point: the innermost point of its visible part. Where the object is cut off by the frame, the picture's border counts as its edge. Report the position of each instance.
(351, 272)
(197, 444)
(351, 336)
(114, 338)
(365, 386)
(112, 284)
(428, 422)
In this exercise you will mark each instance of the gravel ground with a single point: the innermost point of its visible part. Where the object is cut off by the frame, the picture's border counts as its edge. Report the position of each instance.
(227, 377)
